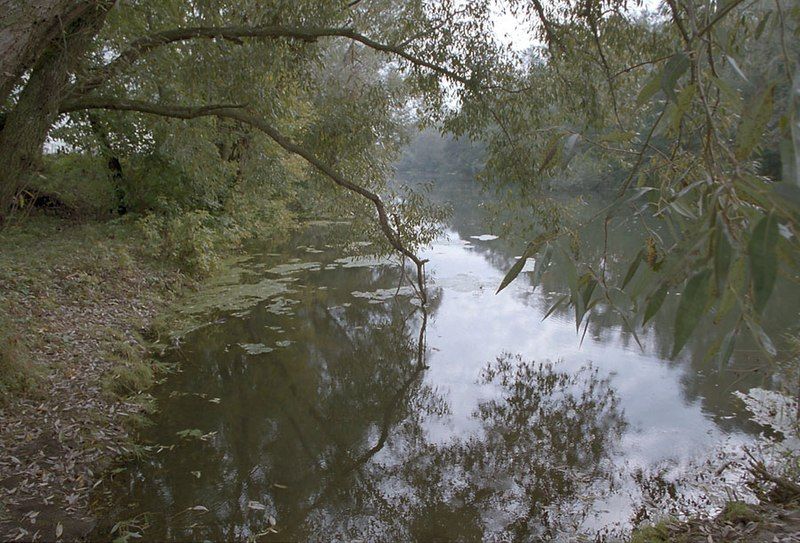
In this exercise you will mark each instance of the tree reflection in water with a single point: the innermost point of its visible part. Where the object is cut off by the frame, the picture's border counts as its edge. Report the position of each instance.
(541, 453)
(333, 439)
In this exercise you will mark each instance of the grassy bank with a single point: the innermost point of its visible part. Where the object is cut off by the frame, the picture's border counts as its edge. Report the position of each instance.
(737, 523)
(76, 302)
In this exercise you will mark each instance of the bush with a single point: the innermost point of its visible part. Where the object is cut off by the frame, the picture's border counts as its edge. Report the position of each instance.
(16, 373)
(80, 181)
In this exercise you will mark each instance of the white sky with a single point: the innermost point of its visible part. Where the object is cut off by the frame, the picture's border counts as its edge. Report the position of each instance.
(515, 32)
(512, 31)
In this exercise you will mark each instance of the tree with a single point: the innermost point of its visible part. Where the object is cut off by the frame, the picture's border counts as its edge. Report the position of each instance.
(689, 101)
(127, 65)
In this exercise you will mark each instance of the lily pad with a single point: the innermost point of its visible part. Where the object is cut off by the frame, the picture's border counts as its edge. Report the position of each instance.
(383, 294)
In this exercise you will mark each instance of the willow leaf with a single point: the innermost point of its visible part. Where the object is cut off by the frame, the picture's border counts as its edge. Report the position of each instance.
(754, 121)
(723, 253)
(763, 260)
(632, 268)
(693, 303)
(513, 272)
(654, 303)
(675, 68)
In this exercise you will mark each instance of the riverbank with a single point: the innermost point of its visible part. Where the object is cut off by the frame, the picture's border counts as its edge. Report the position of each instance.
(737, 523)
(76, 303)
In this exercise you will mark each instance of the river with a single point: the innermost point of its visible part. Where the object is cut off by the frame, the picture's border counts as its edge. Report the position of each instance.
(329, 409)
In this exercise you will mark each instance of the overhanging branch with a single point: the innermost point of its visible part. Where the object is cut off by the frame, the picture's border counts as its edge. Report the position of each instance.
(141, 46)
(239, 113)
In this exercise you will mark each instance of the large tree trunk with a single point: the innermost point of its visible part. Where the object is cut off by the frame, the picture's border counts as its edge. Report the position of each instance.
(27, 27)
(27, 124)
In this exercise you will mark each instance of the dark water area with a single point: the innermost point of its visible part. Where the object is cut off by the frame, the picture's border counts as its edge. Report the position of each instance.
(333, 410)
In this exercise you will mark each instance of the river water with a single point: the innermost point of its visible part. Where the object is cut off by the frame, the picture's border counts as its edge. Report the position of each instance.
(326, 408)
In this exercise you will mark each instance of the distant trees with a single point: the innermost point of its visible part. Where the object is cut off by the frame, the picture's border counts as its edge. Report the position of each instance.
(430, 152)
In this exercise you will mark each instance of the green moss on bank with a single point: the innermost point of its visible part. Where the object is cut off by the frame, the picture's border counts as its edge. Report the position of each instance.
(657, 533)
(60, 280)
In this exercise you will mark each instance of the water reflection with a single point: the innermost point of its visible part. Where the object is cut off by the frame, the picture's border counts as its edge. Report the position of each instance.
(342, 413)
(533, 468)
(331, 440)
(702, 380)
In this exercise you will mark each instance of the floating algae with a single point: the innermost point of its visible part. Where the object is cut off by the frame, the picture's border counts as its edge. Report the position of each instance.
(282, 306)
(255, 348)
(226, 292)
(383, 294)
(363, 261)
(292, 267)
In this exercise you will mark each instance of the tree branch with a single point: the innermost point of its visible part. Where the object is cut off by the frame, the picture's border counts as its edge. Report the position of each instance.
(239, 113)
(550, 35)
(140, 47)
(676, 18)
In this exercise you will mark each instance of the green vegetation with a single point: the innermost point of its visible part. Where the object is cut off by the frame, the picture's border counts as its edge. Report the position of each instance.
(739, 512)
(211, 121)
(16, 373)
(73, 269)
(657, 533)
(143, 142)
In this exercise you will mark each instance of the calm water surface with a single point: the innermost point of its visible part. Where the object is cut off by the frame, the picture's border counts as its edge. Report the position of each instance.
(333, 411)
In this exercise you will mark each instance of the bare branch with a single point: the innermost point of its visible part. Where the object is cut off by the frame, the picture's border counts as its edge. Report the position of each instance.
(639, 65)
(239, 113)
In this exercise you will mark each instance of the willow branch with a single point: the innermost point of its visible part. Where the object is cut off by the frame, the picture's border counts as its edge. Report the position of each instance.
(718, 17)
(639, 65)
(240, 114)
(141, 46)
(645, 146)
(678, 21)
(552, 38)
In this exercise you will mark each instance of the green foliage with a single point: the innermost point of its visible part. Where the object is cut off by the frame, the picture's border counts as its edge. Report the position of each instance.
(657, 533)
(739, 512)
(763, 260)
(754, 120)
(191, 239)
(79, 181)
(694, 299)
(16, 373)
(694, 115)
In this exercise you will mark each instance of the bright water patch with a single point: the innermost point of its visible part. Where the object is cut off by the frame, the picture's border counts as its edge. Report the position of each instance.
(488, 423)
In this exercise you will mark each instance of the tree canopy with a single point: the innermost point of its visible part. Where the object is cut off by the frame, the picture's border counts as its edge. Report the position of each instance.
(214, 105)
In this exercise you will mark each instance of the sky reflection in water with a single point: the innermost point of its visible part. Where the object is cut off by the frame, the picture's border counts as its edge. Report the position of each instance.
(345, 426)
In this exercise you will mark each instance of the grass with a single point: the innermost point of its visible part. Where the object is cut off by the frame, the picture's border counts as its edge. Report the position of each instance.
(17, 375)
(656, 533)
(63, 287)
(739, 512)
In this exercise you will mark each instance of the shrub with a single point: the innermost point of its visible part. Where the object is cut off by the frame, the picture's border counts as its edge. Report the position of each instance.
(81, 182)
(16, 372)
